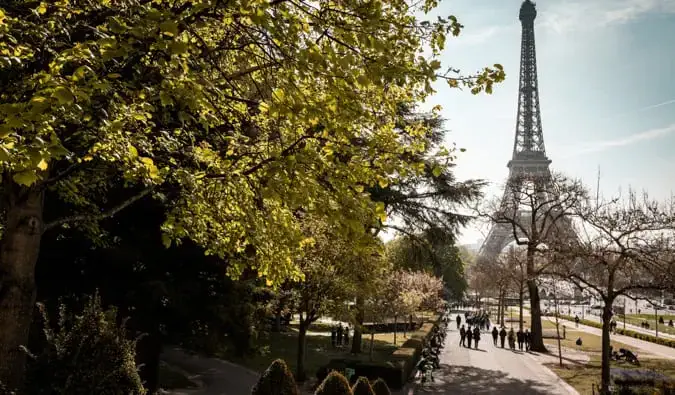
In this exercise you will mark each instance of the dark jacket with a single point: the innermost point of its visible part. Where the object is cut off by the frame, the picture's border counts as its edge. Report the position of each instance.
(495, 332)
(520, 336)
(462, 332)
(476, 333)
(502, 333)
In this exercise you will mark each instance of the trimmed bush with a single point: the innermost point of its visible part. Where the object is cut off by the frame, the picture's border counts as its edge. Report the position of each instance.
(334, 384)
(85, 354)
(276, 380)
(362, 387)
(380, 387)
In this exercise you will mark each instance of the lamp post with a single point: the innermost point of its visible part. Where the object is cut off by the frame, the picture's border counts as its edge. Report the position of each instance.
(656, 320)
(624, 312)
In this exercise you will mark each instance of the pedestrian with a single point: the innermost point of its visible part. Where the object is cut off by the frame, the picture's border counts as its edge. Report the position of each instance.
(476, 337)
(333, 334)
(512, 339)
(520, 336)
(459, 320)
(462, 336)
(502, 335)
(339, 335)
(576, 320)
(469, 336)
(346, 336)
(495, 335)
(527, 338)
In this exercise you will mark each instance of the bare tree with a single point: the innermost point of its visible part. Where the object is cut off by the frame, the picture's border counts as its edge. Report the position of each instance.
(513, 265)
(624, 247)
(535, 209)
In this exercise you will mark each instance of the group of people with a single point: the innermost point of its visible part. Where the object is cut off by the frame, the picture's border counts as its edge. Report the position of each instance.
(470, 334)
(480, 319)
(339, 336)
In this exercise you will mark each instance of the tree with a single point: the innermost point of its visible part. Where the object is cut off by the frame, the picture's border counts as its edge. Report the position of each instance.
(536, 210)
(276, 380)
(332, 269)
(623, 247)
(334, 384)
(513, 268)
(362, 387)
(235, 114)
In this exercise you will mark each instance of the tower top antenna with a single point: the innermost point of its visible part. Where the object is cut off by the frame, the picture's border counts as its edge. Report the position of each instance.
(527, 12)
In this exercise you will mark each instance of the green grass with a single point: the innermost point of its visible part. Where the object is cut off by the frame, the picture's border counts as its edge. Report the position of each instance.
(637, 319)
(582, 378)
(318, 352)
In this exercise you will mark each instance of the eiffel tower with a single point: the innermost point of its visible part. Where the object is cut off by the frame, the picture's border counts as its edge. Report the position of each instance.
(529, 162)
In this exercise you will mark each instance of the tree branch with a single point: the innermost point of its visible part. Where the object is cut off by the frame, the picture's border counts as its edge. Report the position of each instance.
(97, 217)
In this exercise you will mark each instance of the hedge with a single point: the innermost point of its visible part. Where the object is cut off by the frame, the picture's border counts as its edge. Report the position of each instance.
(396, 370)
(627, 332)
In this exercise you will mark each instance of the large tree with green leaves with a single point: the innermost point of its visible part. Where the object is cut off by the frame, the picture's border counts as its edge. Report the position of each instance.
(237, 113)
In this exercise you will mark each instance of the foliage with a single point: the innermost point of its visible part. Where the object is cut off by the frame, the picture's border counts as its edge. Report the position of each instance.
(276, 380)
(334, 384)
(85, 354)
(362, 387)
(432, 251)
(300, 112)
(380, 387)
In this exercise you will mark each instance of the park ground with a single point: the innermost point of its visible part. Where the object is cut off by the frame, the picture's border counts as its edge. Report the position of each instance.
(489, 369)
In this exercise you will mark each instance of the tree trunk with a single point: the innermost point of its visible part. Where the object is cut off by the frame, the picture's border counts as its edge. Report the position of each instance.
(395, 327)
(499, 307)
(521, 293)
(503, 302)
(372, 341)
(302, 346)
(537, 343)
(19, 251)
(277, 316)
(358, 327)
(606, 318)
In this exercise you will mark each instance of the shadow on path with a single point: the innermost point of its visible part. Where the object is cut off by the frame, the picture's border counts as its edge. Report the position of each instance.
(472, 380)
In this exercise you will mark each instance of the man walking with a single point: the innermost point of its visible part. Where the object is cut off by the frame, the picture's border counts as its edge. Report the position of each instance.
(495, 334)
(527, 340)
(459, 320)
(469, 336)
(502, 335)
(476, 337)
(521, 338)
(462, 336)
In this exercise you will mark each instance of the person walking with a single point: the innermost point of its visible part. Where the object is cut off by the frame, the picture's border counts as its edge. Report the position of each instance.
(469, 336)
(346, 336)
(462, 336)
(339, 335)
(502, 335)
(576, 320)
(521, 338)
(527, 340)
(495, 335)
(333, 334)
(459, 320)
(512, 339)
(476, 337)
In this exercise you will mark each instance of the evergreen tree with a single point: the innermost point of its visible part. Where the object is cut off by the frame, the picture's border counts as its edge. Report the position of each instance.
(276, 380)
(380, 387)
(362, 387)
(334, 384)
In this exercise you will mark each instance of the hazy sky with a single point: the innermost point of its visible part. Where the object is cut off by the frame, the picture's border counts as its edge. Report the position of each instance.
(606, 83)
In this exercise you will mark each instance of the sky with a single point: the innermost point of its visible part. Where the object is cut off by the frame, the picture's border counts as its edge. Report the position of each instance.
(606, 73)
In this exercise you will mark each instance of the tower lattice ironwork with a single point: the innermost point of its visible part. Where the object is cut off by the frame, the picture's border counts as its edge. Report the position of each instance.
(529, 162)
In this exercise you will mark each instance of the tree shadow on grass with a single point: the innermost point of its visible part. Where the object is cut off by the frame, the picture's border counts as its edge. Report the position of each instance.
(472, 380)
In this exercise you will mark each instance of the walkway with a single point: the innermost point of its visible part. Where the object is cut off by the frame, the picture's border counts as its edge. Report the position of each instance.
(217, 376)
(619, 322)
(490, 370)
(649, 347)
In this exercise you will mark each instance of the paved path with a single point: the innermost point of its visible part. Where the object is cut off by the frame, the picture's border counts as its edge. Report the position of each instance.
(217, 377)
(619, 323)
(649, 347)
(490, 370)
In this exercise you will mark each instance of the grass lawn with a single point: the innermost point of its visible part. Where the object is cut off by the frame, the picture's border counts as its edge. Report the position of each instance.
(637, 319)
(319, 350)
(582, 378)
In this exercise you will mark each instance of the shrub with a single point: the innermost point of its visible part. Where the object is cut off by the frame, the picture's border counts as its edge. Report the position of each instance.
(84, 354)
(362, 387)
(334, 384)
(380, 387)
(276, 380)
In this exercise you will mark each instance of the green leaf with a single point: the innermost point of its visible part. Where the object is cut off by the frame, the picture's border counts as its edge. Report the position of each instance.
(169, 28)
(437, 171)
(63, 95)
(26, 177)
